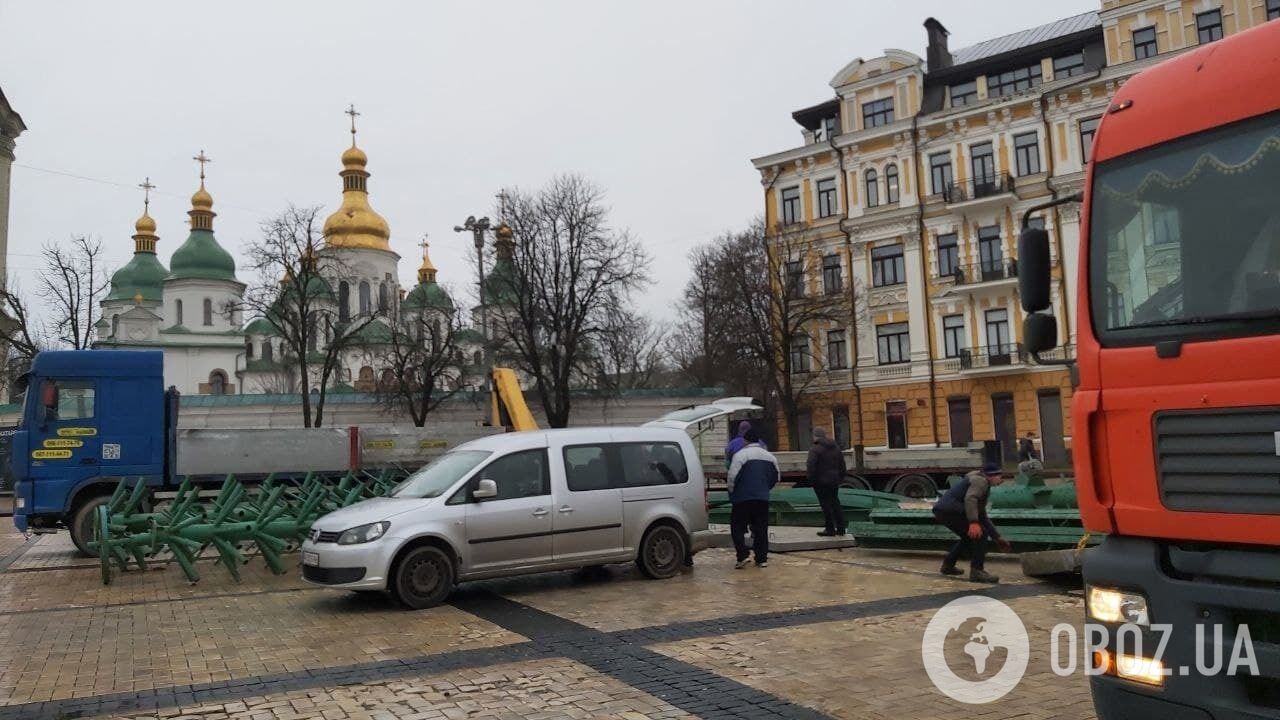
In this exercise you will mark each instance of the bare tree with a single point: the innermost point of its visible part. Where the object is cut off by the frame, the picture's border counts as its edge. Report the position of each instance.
(293, 293)
(628, 350)
(427, 366)
(696, 342)
(71, 284)
(567, 267)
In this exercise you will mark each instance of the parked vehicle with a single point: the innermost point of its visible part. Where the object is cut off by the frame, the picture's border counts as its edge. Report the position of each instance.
(520, 503)
(912, 472)
(1176, 412)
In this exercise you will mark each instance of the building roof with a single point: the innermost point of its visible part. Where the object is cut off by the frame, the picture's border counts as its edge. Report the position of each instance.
(427, 295)
(10, 121)
(201, 257)
(142, 275)
(1026, 38)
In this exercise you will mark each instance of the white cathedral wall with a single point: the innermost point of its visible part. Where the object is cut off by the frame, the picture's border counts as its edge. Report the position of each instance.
(192, 293)
(356, 265)
(186, 368)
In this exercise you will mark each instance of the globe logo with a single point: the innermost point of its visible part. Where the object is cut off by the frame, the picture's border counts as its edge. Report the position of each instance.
(975, 649)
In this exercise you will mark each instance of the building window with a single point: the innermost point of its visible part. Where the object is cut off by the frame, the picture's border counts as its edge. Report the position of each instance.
(948, 255)
(891, 184)
(964, 94)
(953, 335)
(1273, 9)
(267, 351)
(1013, 81)
(344, 301)
(1144, 43)
(795, 278)
(826, 130)
(893, 343)
(872, 184)
(115, 325)
(366, 298)
(895, 417)
(877, 113)
(384, 298)
(217, 383)
(1068, 66)
(800, 354)
(208, 311)
(1209, 26)
(1026, 151)
(827, 205)
(940, 172)
(248, 349)
(836, 350)
(790, 205)
(887, 266)
(990, 252)
(982, 161)
(831, 281)
(1089, 128)
(998, 332)
(177, 312)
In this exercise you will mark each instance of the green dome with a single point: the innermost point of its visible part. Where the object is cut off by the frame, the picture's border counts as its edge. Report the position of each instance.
(500, 285)
(142, 275)
(428, 295)
(201, 257)
(260, 326)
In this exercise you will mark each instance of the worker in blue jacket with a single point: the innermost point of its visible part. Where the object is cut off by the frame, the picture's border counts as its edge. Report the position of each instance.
(752, 474)
(963, 509)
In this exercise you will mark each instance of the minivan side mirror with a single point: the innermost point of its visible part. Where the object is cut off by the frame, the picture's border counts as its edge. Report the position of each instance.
(485, 490)
(1033, 269)
(1039, 332)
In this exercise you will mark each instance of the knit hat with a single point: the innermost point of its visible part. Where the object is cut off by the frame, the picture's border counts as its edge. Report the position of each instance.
(992, 469)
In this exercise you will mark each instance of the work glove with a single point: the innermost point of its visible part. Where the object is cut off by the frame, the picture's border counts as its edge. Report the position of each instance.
(1004, 545)
(975, 530)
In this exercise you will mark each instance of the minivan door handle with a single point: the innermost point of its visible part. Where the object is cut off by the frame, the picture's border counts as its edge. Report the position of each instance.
(565, 508)
(539, 512)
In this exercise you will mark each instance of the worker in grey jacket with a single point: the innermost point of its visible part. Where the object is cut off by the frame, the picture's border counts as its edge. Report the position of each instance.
(963, 509)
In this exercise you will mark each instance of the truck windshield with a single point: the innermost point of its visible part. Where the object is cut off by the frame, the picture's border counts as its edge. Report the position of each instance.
(1185, 238)
(440, 474)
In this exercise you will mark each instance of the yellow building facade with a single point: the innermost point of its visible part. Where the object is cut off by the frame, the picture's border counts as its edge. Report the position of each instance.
(911, 184)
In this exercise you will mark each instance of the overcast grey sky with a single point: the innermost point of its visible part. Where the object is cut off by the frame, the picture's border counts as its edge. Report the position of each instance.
(663, 103)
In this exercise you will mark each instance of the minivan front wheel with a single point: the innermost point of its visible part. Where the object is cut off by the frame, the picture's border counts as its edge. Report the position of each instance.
(423, 578)
(662, 552)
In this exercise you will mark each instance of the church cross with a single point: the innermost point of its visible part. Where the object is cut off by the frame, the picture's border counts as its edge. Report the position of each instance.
(202, 159)
(351, 110)
(147, 187)
(423, 244)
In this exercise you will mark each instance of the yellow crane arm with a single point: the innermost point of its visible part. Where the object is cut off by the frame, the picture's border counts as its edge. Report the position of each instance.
(506, 402)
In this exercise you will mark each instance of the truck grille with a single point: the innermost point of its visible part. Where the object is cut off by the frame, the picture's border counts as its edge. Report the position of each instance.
(1219, 461)
(323, 536)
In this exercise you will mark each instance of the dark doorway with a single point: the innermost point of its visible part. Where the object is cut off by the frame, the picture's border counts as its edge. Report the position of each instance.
(840, 426)
(803, 436)
(895, 414)
(960, 418)
(1053, 447)
(1006, 426)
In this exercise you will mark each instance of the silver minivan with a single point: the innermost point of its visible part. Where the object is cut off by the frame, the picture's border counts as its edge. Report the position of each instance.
(520, 503)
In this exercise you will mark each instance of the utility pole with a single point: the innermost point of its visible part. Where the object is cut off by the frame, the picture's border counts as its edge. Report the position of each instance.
(477, 228)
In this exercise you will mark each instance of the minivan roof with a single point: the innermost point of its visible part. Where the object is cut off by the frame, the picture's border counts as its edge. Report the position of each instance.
(541, 438)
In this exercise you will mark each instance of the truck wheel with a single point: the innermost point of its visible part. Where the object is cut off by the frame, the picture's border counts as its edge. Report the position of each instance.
(856, 482)
(84, 523)
(662, 552)
(423, 578)
(915, 486)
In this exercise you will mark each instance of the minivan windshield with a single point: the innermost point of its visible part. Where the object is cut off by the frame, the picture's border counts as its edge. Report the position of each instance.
(440, 474)
(1185, 237)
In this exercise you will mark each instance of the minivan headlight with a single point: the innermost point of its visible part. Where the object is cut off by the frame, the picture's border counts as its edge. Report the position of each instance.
(1118, 606)
(364, 533)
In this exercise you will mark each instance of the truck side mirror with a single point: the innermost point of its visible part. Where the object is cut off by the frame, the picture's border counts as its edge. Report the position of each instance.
(1039, 332)
(1033, 269)
(486, 489)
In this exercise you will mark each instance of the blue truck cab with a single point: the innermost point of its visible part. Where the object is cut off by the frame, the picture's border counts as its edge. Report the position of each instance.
(91, 418)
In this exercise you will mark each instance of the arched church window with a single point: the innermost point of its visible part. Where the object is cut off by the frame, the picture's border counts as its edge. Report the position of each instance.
(217, 383)
(344, 301)
(384, 299)
(435, 335)
(248, 349)
(208, 311)
(365, 298)
(366, 374)
(266, 351)
(115, 325)
(478, 358)
(388, 378)
(177, 312)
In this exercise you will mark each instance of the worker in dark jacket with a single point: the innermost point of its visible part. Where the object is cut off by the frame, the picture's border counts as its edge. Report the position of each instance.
(963, 509)
(752, 474)
(826, 471)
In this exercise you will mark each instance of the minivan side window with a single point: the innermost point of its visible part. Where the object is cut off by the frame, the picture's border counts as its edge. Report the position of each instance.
(652, 464)
(586, 467)
(518, 475)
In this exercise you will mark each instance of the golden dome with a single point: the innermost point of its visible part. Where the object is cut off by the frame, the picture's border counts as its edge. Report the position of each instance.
(201, 200)
(354, 158)
(504, 232)
(355, 224)
(145, 225)
(427, 270)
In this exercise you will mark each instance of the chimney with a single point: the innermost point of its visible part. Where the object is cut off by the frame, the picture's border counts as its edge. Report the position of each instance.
(937, 54)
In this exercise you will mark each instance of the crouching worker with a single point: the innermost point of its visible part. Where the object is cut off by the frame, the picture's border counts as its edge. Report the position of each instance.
(963, 509)
(752, 474)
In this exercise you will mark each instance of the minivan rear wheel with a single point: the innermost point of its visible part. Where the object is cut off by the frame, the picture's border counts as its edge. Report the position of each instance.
(423, 578)
(662, 552)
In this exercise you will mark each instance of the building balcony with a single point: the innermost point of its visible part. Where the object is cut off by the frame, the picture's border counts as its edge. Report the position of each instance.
(996, 359)
(980, 191)
(985, 272)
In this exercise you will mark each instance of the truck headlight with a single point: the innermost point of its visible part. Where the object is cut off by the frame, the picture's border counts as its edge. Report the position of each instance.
(364, 533)
(1118, 606)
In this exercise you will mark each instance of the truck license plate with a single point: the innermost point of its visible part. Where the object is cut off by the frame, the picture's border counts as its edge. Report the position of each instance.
(310, 558)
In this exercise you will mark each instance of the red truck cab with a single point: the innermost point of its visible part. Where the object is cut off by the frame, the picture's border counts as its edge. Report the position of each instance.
(1177, 410)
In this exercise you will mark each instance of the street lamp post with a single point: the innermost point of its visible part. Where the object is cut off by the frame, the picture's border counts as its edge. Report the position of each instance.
(477, 229)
